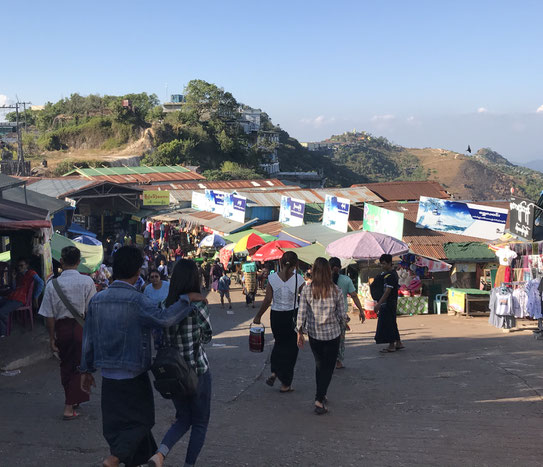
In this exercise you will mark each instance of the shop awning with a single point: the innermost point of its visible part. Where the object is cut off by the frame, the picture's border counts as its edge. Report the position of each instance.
(214, 222)
(468, 252)
(79, 230)
(91, 255)
(312, 233)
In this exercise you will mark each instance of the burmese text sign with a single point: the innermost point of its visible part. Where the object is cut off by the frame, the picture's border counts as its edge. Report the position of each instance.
(468, 219)
(336, 213)
(522, 214)
(215, 201)
(234, 207)
(292, 211)
(156, 198)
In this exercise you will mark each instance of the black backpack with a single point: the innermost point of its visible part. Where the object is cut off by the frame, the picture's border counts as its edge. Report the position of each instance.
(377, 287)
(174, 377)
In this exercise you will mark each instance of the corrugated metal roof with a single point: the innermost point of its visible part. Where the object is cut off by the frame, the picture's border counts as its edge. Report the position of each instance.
(147, 179)
(6, 181)
(58, 187)
(265, 184)
(312, 233)
(208, 219)
(34, 199)
(271, 228)
(406, 191)
(355, 194)
(13, 211)
(93, 172)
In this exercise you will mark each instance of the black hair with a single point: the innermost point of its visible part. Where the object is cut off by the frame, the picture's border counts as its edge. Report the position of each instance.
(385, 258)
(70, 255)
(126, 262)
(335, 263)
(185, 279)
(23, 258)
(289, 260)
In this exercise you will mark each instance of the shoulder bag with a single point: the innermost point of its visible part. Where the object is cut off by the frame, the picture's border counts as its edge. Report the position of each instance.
(67, 303)
(174, 377)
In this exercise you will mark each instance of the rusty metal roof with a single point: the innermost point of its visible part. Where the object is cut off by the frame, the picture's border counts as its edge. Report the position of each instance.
(227, 184)
(271, 228)
(406, 191)
(148, 178)
(310, 196)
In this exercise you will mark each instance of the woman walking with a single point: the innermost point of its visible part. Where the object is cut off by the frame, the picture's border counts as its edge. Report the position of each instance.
(282, 294)
(323, 315)
(157, 290)
(189, 335)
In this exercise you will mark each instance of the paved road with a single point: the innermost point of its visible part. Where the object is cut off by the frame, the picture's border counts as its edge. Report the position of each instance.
(462, 393)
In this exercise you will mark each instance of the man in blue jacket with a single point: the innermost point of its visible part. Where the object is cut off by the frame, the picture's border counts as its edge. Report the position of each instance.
(117, 339)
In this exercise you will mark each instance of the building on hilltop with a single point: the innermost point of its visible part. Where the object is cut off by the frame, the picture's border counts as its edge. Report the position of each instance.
(175, 104)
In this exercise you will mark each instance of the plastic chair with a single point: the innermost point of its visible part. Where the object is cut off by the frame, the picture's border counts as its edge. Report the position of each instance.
(23, 311)
(438, 300)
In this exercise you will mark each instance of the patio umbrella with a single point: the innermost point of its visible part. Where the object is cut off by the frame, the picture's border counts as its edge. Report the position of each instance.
(85, 239)
(273, 250)
(366, 245)
(249, 242)
(213, 241)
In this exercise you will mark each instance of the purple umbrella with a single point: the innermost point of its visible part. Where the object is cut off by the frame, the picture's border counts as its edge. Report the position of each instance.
(366, 245)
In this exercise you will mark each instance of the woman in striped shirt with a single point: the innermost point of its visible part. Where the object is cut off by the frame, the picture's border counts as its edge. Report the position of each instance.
(323, 316)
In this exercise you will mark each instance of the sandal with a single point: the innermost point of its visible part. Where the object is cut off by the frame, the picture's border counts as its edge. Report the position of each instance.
(283, 391)
(70, 417)
(271, 380)
(321, 410)
(400, 347)
(387, 350)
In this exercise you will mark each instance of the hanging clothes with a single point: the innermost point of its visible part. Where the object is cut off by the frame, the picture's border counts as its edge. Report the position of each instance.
(501, 309)
(534, 299)
(520, 303)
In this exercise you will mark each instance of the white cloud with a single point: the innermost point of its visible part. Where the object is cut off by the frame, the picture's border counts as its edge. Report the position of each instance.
(319, 121)
(540, 109)
(3, 99)
(482, 110)
(383, 118)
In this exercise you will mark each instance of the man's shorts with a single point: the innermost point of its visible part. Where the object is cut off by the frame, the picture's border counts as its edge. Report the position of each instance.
(224, 293)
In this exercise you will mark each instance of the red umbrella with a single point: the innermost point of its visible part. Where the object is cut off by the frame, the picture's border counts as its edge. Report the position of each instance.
(272, 251)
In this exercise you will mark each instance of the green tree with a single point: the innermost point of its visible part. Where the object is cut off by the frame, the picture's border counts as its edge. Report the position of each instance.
(232, 171)
(209, 102)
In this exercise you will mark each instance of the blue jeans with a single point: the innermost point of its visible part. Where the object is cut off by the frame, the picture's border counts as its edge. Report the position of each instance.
(193, 411)
(6, 307)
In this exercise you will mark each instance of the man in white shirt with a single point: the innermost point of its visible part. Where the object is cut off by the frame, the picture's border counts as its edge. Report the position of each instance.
(65, 333)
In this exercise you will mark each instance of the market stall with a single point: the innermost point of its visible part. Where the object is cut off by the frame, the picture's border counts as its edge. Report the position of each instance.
(460, 301)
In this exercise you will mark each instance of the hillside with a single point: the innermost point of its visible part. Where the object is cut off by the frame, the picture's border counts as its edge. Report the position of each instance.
(210, 131)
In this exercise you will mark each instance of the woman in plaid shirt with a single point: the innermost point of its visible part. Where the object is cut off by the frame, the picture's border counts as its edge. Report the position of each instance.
(189, 335)
(323, 316)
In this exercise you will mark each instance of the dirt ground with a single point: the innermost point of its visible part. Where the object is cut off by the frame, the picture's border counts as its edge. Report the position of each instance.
(461, 393)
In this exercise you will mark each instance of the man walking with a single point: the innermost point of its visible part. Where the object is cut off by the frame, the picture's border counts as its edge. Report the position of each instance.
(224, 291)
(117, 339)
(64, 318)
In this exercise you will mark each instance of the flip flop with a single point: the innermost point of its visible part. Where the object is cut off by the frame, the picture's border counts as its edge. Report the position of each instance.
(70, 417)
(320, 410)
(271, 380)
(387, 350)
(283, 391)
(400, 347)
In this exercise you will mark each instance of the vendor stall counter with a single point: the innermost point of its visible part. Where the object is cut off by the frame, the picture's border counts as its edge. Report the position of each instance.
(460, 300)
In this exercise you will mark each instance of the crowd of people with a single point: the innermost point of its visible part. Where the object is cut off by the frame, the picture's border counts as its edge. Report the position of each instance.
(140, 300)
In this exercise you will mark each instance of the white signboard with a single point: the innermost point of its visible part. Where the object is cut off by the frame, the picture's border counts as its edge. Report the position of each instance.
(336, 213)
(234, 207)
(198, 201)
(292, 211)
(215, 201)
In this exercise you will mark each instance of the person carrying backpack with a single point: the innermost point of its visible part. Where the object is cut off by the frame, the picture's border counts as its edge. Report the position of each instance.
(224, 289)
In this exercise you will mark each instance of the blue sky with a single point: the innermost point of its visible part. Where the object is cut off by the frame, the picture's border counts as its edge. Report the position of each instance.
(422, 73)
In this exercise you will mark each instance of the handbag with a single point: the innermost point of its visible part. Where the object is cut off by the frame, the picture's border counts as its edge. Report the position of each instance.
(256, 338)
(174, 377)
(67, 303)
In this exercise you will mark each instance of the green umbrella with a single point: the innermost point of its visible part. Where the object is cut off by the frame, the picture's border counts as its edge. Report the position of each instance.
(91, 255)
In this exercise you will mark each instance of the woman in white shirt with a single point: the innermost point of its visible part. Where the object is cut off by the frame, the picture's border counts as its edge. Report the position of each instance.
(282, 293)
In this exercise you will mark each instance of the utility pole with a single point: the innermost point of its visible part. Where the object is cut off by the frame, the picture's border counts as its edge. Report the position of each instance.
(20, 155)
